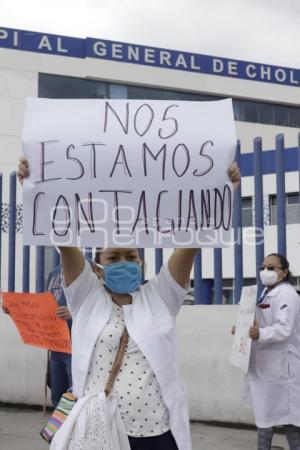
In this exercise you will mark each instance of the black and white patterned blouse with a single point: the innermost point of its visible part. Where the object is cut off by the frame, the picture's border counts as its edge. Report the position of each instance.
(140, 401)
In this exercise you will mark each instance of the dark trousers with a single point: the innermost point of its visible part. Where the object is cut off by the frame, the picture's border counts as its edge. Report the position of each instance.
(162, 442)
(60, 375)
(265, 437)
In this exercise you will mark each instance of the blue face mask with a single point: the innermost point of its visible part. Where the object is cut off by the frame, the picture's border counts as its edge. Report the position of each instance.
(123, 277)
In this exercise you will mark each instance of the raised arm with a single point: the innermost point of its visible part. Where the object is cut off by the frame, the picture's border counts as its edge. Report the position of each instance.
(72, 259)
(181, 263)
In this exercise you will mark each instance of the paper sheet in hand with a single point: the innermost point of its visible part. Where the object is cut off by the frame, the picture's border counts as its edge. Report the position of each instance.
(128, 173)
(241, 347)
(35, 318)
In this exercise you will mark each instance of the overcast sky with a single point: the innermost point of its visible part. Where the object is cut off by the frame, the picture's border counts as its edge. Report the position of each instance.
(266, 31)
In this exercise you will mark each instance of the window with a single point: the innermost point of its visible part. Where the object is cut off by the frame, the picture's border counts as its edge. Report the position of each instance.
(141, 92)
(247, 212)
(228, 295)
(273, 210)
(251, 112)
(56, 86)
(281, 115)
(292, 208)
(238, 109)
(294, 117)
(266, 113)
(249, 281)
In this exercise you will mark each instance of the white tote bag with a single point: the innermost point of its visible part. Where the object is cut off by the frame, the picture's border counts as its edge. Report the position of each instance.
(93, 424)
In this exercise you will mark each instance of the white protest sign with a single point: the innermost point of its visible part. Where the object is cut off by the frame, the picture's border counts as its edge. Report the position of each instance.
(128, 173)
(241, 347)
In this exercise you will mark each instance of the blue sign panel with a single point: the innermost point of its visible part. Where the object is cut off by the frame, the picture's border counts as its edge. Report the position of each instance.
(31, 41)
(148, 56)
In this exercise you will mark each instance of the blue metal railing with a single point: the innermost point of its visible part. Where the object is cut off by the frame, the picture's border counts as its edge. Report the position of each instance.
(218, 278)
(89, 253)
(259, 208)
(26, 269)
(55, 258)
(1, 218)
(40, 269)
(142, 256)
(158, 259)
(299, 167)
(238, 235)
(198, 281)
(205, 290)
(280, 189)
(12, 233)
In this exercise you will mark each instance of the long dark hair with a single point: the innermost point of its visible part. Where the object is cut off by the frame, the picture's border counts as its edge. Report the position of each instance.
(283, 263)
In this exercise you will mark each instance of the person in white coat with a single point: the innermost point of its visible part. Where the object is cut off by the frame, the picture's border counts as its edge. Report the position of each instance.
(273, 380)
(148, 401)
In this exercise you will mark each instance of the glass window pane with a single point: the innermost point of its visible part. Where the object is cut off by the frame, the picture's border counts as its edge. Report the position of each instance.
(273, 209)
(142, 92)
(293, 198)
(56, 86)
(292, 209)
(94, 89)
(247, 218)
(160, 94)
(187, 96)
(281, 115)
(247, 202)
(238, 108)
(292, 214)
(266, 113)
(249, 281)
(136, 92)
(294, 117)
(247, 212)
(273, 215)
(251, 112)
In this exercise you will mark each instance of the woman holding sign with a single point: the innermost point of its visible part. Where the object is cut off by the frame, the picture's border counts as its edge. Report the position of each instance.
(148, 399)
(273, 380)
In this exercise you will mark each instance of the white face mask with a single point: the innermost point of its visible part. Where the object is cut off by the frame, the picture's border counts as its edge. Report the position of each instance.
(269, 277)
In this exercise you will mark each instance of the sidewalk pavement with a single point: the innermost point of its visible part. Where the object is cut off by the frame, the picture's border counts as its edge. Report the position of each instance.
(19, 430)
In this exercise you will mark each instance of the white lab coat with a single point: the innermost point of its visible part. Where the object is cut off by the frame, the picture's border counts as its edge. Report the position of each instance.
(150, 321)
(272, 384)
